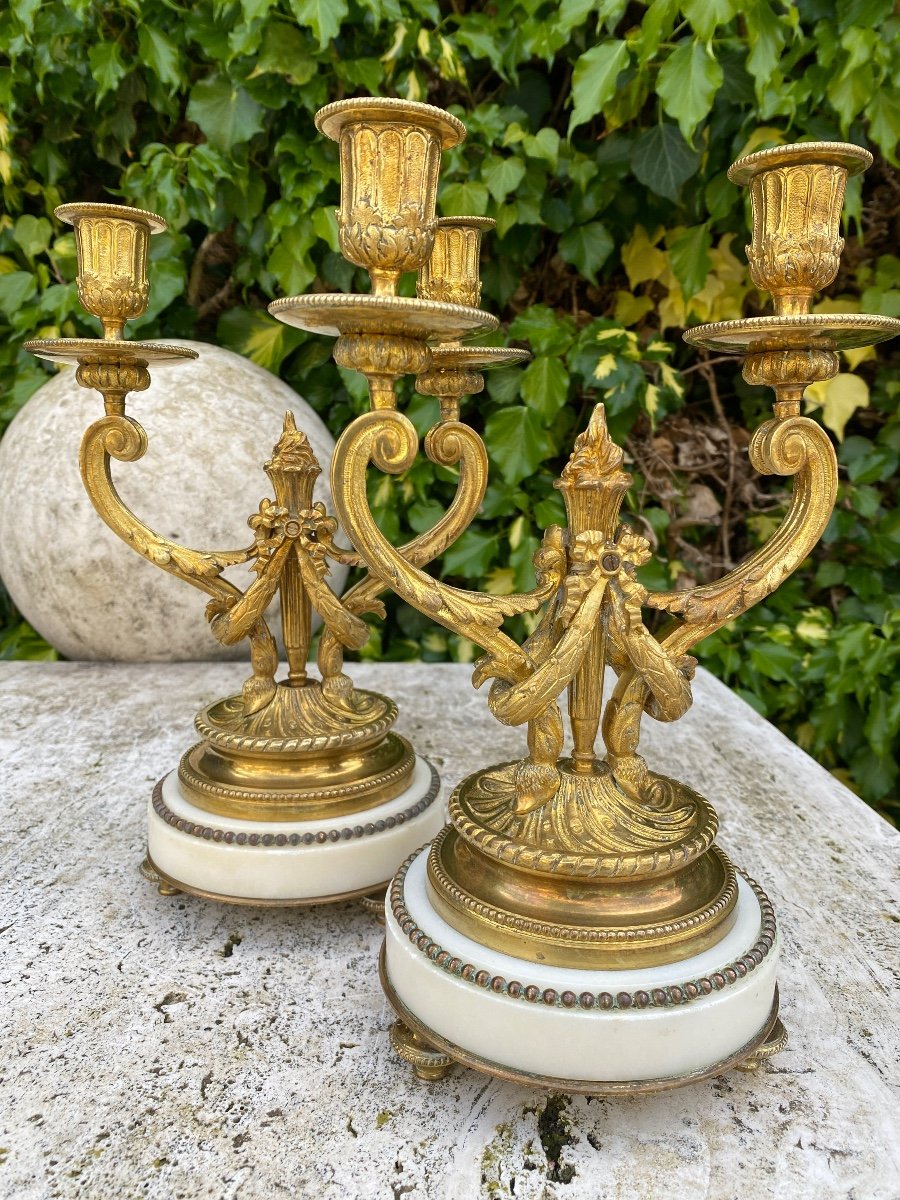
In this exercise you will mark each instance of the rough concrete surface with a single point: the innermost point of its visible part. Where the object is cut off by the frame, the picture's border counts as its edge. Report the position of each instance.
(170, 1048)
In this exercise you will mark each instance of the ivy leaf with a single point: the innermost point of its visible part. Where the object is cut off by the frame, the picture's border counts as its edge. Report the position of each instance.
(521, 559)
(224, 111)
(839, 399)
(254, 9)
(546, 331)
(687, 84)
(365, 73)
(502, 176)
(574, 12)
(325, 224)
(15, 288)
(545, 386)
(471, 555)
(480, 42)
(244, 200)
(774, 661)
(107, 67)
(586, 247)
(878, 465)
(32, 234)
(544, 145)
(290, 263)
(706, 16)
(663, 161)
(503, 384)
(464, 199)
(656, 26)
(323, 17)
(849, 93)
(766, 32)
(883, 113)
(594, 80)
(257, 336)
(690, 259)
(882, 724)
(284, 52)
(167, 280)
(550, 511)
(517, 443)
(424, 514)
(160, 55)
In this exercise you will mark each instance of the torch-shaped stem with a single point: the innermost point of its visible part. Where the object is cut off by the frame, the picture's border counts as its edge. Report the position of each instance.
(592, 484)
(293, 470)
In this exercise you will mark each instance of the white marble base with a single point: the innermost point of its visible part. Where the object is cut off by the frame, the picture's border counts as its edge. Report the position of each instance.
(638, 1025)
(300, 861)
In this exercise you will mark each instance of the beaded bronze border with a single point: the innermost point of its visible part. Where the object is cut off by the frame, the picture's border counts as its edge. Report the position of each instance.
(684, 993)
(580, 933)
(347, 833)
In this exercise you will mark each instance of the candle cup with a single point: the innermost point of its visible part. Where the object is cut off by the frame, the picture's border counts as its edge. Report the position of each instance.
(796, 196)
(390, 158)
(113, 243)
(452, 272)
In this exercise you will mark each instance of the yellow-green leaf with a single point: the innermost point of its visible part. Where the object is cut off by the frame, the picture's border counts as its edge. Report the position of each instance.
(641, 258)
(839, 398)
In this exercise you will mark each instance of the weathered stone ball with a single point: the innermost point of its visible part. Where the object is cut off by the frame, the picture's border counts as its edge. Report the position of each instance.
(211, 425)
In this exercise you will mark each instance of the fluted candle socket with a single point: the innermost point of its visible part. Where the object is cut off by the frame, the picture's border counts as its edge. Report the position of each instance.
(113, 243)
(390, 159)
(796, 194)
(452, 272)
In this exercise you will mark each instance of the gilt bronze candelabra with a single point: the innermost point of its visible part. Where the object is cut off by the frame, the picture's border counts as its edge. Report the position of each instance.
(575, 925)
(298, 791)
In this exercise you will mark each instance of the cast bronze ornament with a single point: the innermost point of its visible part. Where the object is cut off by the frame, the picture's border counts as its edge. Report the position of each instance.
(581, 859)
(578, 860)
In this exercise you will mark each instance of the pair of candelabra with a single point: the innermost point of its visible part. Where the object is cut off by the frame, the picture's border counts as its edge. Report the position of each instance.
(574, 924)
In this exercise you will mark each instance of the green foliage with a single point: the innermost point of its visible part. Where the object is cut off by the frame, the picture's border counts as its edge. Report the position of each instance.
(600, 134)
(832, 632)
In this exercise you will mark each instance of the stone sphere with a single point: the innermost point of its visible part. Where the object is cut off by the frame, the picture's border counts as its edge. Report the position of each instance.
(211, 424)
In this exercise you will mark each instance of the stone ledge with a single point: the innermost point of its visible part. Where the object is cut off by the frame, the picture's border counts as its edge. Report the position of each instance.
(162, 1047)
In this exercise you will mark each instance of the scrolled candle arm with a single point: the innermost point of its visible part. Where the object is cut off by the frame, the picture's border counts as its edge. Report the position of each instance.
(798, 447)
(448, 444)
(122, 438)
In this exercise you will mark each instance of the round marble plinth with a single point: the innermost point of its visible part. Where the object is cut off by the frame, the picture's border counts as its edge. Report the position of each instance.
(650, 1027)
(288, 862)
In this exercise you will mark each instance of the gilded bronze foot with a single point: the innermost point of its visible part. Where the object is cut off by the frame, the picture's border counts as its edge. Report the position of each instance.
(374, 904)
(427, 1063)
(774, 1044)
(150, 873)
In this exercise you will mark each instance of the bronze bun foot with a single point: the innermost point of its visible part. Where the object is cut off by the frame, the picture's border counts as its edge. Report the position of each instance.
(150, 873)
(373, 904)
(776, 1041)
(427, 1063)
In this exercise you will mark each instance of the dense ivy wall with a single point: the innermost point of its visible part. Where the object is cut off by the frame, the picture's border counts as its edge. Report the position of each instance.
(599, 138)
